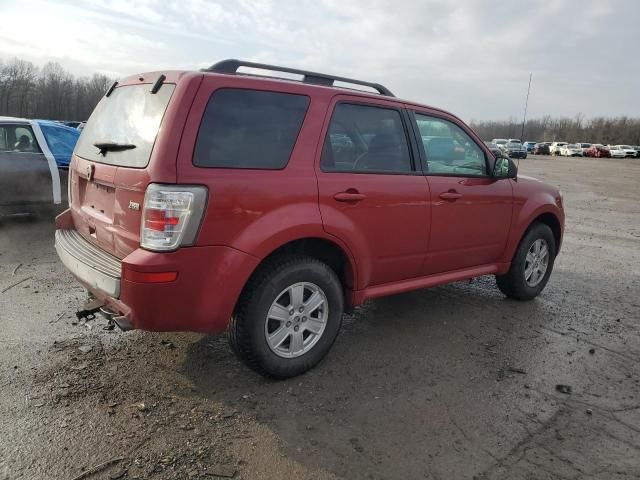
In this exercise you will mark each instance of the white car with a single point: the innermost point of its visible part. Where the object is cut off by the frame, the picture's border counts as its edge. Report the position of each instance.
(571, 150)
(555, 147)
(617, 152)
(628, 150)
(584, 146)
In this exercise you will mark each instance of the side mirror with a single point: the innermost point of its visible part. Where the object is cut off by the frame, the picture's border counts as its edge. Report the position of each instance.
(504, 168)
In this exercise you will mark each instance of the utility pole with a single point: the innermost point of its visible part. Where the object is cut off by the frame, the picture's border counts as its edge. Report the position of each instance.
(526, 104)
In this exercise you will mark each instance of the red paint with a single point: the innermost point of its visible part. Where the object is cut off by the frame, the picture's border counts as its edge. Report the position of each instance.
(149, 277)
(397, 232)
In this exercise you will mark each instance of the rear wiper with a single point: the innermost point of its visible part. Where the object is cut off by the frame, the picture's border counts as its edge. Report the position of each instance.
(105, 147)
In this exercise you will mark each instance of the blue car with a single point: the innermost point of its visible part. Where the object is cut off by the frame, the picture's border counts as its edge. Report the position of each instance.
(60, 139)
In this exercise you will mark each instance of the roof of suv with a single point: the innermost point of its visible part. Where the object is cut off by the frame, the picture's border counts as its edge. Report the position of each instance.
(311, 80)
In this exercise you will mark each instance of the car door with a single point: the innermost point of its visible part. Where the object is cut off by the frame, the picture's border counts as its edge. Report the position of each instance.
(470, 210)
(372, 194)
(25, 175)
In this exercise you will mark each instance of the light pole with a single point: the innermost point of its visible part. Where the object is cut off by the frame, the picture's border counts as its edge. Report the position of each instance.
(526, 104)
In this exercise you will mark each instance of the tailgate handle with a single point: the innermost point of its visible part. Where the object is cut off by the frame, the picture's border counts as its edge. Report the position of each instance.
(350, 195)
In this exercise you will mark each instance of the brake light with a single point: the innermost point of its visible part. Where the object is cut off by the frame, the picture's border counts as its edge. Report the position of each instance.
(171, 216)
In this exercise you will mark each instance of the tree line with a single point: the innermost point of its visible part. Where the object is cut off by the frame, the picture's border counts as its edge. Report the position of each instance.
(49, 92)
(53, 93)
(615, 131)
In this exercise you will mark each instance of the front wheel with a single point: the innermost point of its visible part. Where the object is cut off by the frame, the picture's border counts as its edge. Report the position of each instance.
(288, 316)
(531, 266)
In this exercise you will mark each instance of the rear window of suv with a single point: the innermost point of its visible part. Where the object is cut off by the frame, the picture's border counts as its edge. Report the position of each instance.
(249, 129)
(131, 115)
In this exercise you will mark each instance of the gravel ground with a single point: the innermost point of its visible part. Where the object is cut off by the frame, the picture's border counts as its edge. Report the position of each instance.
(453, 382)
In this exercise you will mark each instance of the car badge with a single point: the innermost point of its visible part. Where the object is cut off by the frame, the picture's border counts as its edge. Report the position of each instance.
(134, 205)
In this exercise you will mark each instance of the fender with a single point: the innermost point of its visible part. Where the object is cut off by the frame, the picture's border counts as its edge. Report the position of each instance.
(525, 211)
(287, 224)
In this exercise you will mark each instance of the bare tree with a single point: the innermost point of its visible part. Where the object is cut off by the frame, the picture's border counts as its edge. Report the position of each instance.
(48, 93)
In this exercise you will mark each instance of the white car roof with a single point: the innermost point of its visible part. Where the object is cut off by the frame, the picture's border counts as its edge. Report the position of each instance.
(14, 119)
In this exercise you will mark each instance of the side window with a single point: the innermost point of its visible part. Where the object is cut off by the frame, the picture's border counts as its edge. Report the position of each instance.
(364, 139)
(249, 129)
(448, 149)
(18, 138)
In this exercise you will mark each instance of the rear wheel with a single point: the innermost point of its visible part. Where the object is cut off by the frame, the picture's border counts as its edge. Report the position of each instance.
(288, 316)
(531, 266)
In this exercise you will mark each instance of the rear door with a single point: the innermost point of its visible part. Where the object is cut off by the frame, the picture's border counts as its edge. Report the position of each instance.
(25, 177)
(372, 193)
(470, 210)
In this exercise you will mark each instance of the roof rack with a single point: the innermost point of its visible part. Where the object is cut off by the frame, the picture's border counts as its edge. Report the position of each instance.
(231, 67)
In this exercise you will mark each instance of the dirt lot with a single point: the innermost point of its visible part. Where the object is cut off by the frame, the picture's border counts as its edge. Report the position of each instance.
(450, 383)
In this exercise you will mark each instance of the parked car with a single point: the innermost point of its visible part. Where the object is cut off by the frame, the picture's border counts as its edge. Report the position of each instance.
(617, 152)
(529, 146)
(263, 206)
(556, 146)
(628, 150)
(637, 149)
(571, 150)
(34, 157)
(515, 150)
(497, 151)
(584, 146)
(597, 151)
(500, 142)
(541, 149)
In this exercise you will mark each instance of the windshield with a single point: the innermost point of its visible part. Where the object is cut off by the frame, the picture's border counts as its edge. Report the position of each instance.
(131, 115)
(625, 147)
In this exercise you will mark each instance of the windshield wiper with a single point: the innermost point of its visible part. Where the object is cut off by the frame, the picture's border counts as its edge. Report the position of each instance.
(105, 147)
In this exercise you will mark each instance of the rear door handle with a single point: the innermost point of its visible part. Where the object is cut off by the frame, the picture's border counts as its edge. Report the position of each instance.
(349, 196)
(453, 196)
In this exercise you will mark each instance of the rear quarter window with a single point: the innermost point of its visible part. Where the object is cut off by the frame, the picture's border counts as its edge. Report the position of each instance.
(249, 129)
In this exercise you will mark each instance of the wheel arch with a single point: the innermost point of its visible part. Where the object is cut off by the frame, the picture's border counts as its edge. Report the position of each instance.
(545, 217)
(553, 223)
(329, 251)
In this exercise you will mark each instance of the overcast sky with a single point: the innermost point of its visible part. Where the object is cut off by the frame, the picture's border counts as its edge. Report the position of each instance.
(472, 57)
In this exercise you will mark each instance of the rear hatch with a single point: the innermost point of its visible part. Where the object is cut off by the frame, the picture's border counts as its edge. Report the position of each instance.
(112, 166)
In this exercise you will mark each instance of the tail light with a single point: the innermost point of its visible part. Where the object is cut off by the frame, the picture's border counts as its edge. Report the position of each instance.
(171, 216)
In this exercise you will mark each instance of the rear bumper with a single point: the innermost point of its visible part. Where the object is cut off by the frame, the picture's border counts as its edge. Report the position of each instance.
(201, 298)
(88, 263)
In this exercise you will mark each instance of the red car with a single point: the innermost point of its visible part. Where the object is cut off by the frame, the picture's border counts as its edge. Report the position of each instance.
(597, 151)
(215, 200)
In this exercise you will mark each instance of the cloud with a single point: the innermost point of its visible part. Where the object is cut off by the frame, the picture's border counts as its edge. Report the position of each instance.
(472, 57)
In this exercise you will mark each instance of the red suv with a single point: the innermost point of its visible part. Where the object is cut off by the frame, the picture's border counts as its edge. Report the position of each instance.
(219, 200)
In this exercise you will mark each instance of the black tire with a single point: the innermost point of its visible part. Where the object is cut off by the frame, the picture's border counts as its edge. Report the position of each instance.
(247, 327)
(513, 284)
